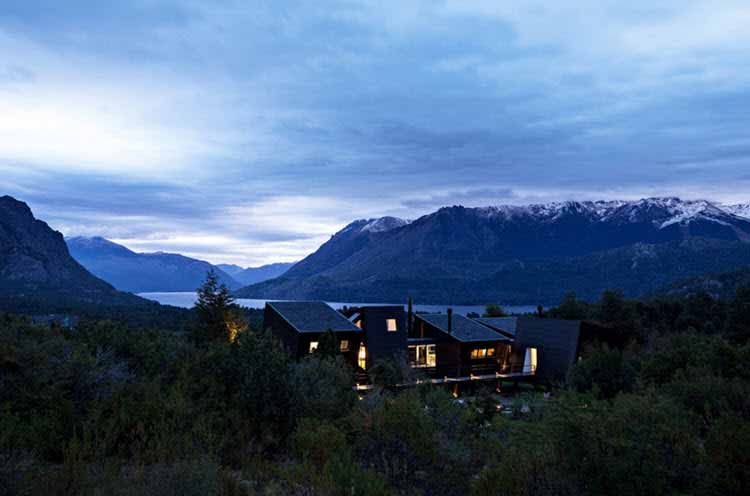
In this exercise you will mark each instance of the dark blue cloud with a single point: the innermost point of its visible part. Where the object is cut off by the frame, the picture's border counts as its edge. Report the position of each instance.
(267, 126)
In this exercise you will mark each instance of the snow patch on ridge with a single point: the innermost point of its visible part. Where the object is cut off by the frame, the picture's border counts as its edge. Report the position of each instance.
(740, 210)
(663, 212)
(384, 224)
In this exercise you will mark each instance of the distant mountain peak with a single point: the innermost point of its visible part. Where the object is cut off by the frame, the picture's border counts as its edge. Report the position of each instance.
(142, 272)
(36, 266)
(461, 254)
(384, 224)
(374, 225)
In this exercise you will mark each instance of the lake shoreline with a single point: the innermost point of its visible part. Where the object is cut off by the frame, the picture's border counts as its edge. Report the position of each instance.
(187, 299)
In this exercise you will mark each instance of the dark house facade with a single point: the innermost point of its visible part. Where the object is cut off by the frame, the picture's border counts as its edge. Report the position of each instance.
(447, 345)
(441, 347)
(384, 335)
(300, 325)
(546, 347)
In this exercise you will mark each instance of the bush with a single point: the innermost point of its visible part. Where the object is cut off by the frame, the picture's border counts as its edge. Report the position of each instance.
(605, 373)
(323, 387)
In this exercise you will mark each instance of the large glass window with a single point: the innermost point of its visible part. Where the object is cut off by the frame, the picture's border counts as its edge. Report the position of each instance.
(392, 327)
(422, 355)
(313, 346)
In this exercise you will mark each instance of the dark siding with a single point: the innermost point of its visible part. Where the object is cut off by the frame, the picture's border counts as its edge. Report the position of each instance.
(454, 357)
(556, 342)
(354, 338)
(380, 343)
(448, 356)
(482, 365)
(298, 344)
(282, 330)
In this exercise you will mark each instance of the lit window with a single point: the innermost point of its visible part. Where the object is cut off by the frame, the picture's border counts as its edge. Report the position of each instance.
(344, 345)
(362, 357)
(392, 327)
(480, 353)
(422, 355)
(313, 346)
(358, 323)
(529, 362)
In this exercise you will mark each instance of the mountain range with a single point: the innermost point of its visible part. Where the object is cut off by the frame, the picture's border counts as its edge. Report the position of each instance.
(37, 271)
(135, 272)
(252, 275)
(142, 272)
(520, 254)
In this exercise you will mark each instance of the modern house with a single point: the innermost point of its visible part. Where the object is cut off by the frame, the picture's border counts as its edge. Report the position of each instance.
(300, 325)
(384, 334)
(448, 345)
(445, 348)
(548, 347)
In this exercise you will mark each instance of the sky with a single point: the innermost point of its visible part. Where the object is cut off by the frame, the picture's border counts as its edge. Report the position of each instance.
(249, 132)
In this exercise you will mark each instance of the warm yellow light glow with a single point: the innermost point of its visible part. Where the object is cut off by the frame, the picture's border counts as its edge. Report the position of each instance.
(233, 331)
(313, 346)
(392, 326)
(530, 361)
(422, 355)
(482, 353)
(344, 345)
(362, 357)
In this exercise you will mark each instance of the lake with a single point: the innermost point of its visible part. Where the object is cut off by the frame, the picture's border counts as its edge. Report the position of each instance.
(187, 299)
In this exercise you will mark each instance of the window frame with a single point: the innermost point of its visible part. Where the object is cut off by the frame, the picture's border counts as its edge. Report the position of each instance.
(428, 351)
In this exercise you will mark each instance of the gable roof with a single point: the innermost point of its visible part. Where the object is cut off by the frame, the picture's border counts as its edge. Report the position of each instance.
(463, 328)
(312, 316)
(504, 325)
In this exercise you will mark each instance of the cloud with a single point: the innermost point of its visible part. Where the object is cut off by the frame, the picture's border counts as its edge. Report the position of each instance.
(470, 198)
(250, 134)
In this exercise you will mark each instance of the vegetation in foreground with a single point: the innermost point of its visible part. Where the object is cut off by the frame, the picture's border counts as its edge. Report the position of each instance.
(108, 410)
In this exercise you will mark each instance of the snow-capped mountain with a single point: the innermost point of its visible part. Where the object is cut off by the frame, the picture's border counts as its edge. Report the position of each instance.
(447, 254)
(740, 210)
(662, 212)
(383, 224)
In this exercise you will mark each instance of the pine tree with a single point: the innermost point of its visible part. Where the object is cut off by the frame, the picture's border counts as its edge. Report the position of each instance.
(219, 317)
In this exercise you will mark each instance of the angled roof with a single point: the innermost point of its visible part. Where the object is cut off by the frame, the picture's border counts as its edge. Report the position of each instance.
(505, 325)
(312, 316)
(464, 329)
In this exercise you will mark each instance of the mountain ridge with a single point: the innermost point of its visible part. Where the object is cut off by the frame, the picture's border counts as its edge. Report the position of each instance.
(36, 266)
(467, 245)
(135, 272)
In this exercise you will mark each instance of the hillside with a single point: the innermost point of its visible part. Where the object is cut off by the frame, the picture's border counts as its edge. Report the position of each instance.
(127, 270)
(525, 255)
(720, 285)
(37, 271)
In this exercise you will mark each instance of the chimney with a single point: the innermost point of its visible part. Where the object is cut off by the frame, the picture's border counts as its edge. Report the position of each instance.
(450, 321)
(409, 317)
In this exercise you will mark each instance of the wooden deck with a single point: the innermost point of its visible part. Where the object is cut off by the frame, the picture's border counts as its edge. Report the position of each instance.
(455, 380)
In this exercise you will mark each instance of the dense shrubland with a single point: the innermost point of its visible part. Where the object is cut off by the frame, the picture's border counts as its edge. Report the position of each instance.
(106, 409)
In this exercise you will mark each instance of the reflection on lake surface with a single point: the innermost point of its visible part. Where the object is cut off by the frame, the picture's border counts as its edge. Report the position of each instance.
(187, 299)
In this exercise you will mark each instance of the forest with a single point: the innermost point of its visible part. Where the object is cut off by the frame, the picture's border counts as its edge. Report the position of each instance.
(214, 406)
